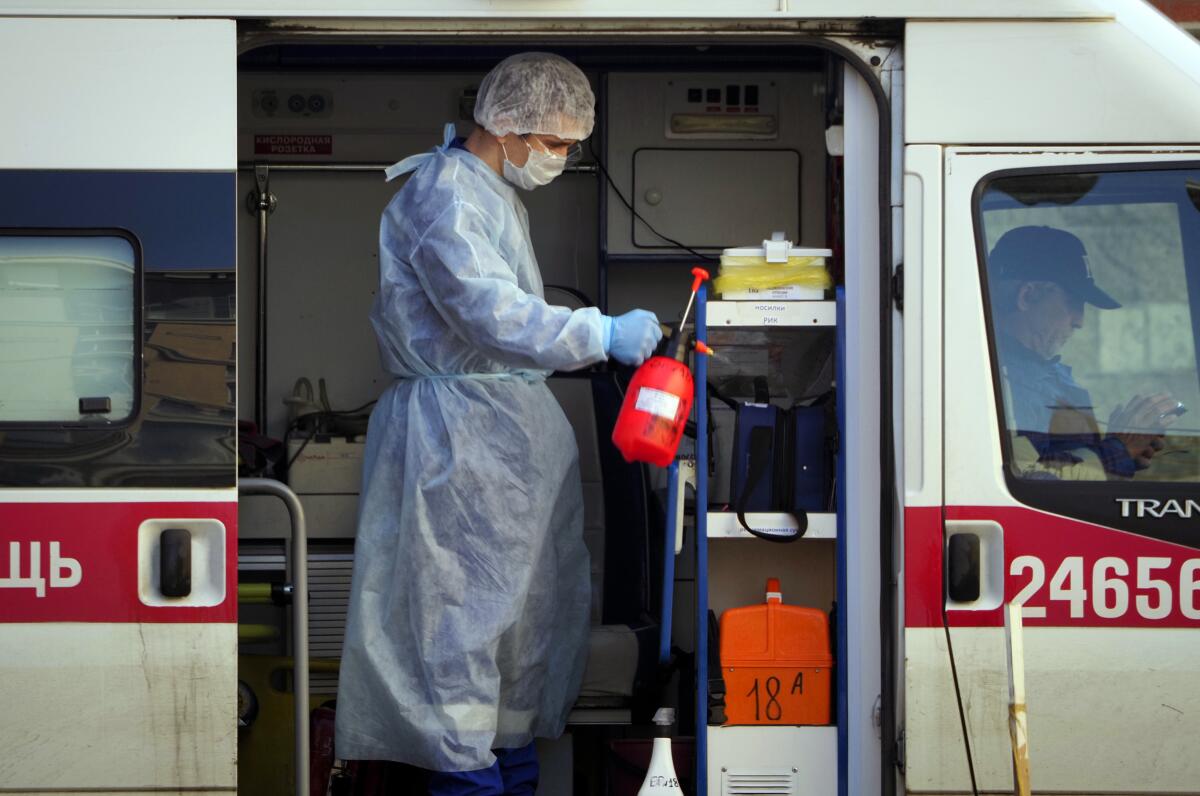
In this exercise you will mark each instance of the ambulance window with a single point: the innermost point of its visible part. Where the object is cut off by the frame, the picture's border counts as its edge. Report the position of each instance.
(67, 327)
(1093, 303)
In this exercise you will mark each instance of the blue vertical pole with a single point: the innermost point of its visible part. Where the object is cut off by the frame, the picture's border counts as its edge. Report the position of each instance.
(843, 716)
(702, 547)
(668, 582)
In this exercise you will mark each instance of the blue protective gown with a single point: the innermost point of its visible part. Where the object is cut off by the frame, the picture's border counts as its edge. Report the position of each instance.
(469, 605)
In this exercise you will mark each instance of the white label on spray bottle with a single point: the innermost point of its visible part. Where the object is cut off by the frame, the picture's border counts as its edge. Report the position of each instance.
(657, 402)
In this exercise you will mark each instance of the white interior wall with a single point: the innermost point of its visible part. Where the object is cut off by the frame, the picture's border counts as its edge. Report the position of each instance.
(323, 237)
(638, 105)
(323, 273)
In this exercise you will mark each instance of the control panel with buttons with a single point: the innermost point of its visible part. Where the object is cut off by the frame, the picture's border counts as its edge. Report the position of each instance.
(745, 107)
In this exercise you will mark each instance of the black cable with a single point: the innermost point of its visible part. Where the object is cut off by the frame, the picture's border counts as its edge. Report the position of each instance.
(288, 467)
(962, 716)
(600, 164)
(353, 411)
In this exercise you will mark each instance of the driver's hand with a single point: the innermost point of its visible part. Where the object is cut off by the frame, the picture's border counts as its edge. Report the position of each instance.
(1140, 424)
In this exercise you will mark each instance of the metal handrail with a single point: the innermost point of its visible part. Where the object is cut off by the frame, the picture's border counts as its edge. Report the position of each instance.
(299, 587)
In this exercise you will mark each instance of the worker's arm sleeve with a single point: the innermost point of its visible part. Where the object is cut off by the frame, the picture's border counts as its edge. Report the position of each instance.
(475, 290)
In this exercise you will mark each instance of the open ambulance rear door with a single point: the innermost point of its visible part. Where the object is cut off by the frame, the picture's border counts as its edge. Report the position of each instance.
(118, 504)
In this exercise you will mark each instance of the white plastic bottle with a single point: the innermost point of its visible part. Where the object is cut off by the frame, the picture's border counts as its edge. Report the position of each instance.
(661, 779)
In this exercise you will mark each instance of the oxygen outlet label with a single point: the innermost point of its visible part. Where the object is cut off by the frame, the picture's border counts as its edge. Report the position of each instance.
(293, 144)
(657, 402)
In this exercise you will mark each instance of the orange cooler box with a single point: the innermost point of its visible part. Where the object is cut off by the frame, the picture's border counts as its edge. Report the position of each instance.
(777, 663)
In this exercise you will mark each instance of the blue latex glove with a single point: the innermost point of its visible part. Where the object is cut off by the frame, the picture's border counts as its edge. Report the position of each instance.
(630, 338)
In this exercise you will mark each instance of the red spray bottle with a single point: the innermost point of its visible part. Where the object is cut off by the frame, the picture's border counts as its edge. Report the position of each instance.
(659, 399)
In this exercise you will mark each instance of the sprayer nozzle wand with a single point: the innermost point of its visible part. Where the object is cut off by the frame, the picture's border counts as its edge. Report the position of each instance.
(699, 275)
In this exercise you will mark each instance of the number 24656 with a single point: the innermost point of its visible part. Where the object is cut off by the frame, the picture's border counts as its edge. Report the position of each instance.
(1149, 587)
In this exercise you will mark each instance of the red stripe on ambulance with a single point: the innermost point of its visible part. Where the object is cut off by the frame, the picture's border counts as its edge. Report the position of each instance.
(1065, 572)
(78, 562)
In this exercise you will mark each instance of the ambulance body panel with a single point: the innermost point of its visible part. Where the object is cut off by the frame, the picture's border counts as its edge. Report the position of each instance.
(122, 123)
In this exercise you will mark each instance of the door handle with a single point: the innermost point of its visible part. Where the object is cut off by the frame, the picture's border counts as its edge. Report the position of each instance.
(962, 568)
(175, 562)
(973, 562)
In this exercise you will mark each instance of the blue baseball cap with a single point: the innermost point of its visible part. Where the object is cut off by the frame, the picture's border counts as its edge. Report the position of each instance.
(1051, 255)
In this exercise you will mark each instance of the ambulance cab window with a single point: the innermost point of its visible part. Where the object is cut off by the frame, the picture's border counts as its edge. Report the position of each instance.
(1093, 303)
(67, 327)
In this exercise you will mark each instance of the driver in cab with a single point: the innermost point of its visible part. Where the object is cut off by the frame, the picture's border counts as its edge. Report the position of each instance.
(1041, 285)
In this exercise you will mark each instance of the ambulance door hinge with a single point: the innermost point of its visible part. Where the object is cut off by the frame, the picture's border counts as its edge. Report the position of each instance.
(901, 743)
(898, 287)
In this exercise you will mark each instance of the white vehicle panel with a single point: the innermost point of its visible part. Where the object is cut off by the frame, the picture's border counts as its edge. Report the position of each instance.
(118, 94)
(922, 325)
(1060, 663)
(163, 725)
(567, 8)
(859, 388)
(1110, 635)
(1082, 82)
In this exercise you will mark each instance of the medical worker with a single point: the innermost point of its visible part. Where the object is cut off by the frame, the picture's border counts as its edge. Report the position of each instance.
(468, 623)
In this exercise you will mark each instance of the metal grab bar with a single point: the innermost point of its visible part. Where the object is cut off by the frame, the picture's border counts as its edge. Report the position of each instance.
(261, 203)
(299, 585)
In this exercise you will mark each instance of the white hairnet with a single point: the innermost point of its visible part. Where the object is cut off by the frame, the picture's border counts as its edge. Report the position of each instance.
(536, 93)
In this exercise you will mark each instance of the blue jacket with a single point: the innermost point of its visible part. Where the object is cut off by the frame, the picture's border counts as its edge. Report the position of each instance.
(1049, 408)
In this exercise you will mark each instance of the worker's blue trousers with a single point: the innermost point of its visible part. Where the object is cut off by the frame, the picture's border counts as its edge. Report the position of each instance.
(515, 773)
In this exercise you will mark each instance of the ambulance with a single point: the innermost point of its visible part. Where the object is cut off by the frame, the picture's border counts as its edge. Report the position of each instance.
(190, 196)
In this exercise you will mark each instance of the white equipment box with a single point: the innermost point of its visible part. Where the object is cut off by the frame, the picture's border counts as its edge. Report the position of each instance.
(711, 160)
(325, 466)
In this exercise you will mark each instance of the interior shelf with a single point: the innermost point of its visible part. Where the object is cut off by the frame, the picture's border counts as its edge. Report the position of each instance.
(771, 313)
(725, 525)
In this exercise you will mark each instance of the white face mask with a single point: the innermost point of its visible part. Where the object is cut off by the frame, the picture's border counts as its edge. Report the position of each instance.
(539, 169)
